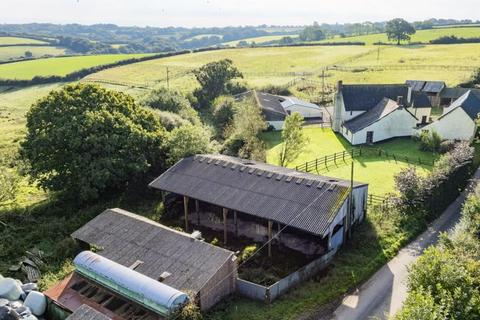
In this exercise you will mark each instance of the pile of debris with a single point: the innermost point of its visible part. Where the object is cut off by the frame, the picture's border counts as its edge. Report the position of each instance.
(20, 301)
(30, 265)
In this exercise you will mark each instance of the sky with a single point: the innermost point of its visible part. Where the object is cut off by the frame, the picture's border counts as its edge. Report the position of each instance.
(207, 13)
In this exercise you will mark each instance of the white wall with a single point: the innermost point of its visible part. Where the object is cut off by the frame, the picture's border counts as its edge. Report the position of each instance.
(305, 111)
(340, 115)
(456, 125)
(399, 123)
(420, 112)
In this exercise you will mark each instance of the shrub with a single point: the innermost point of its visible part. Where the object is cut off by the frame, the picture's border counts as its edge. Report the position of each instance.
(277, 90)
(189, 311)
(223, 112)
(170, 120)
(430, 141)
(84, 139)
(409, 185)
(186, 141)
(247, 252)
(8, 184)
(446, 146)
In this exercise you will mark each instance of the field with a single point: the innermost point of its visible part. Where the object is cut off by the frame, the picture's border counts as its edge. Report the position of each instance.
(14, 53)
(16, 40)
(259, 40)
(58, 66)
(423, 36)
(453, 64)
(377, 171)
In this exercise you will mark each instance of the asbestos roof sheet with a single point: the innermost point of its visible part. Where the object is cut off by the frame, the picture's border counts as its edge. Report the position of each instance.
(366, 97)
(126, 237)
(304, 201)
(86, 312)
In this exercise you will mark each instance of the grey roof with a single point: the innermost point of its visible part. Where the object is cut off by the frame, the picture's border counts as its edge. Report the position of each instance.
(420, 100)
(304, 201)
(365, 97)
(126, 237)
(426, 86)
(469, 102)
(271, 105)
(381, 110)
(455, 93)
(85, 312)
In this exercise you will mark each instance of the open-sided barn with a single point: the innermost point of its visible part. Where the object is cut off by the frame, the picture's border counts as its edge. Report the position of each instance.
(257, 200)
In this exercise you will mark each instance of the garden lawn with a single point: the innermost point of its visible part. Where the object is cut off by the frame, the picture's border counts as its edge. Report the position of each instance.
(62, 66)
(377, 171)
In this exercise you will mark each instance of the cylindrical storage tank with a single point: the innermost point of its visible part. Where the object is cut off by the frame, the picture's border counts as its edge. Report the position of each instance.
(129, 283)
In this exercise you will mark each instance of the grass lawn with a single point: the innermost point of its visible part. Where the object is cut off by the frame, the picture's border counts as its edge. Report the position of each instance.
(18, 40)
(58, 66)
(378, 171)
(420, 36)
(7, 53)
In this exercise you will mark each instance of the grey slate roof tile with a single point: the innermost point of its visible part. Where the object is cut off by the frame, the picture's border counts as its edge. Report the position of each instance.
(366, 97)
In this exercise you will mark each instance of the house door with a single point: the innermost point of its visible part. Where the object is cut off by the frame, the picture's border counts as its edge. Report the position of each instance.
(369, 137)
(424, 119)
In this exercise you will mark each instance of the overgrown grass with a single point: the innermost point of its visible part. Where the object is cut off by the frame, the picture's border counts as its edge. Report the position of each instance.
(378, 171)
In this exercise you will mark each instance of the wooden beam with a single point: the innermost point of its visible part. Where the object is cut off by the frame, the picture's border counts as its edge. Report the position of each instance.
(270, 223)
(235, 221)
(185, 211)
(225, 212)
(197, 210)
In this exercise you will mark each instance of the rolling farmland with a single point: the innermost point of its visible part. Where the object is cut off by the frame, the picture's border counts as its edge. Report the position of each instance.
(18, 41)
(58, 66)
(260, 40)
(16, 52)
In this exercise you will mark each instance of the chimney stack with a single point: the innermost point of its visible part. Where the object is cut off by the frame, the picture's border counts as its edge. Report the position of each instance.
(339, 85)
(400, 101)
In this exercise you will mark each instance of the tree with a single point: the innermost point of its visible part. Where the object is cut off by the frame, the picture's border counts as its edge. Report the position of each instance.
(294, 140)
(83, 140)
(312, 33)
(213, 79)
(399, 30)
(186, 141)
(223, 113)
(28, 54)
(171, 101)
(8, 185)
(410, 186)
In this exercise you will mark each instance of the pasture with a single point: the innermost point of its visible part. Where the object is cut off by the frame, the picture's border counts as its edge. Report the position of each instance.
(26, 70)
(378, 171)
(15, 53)
(260, 40)
(423, 36)
(18, 40)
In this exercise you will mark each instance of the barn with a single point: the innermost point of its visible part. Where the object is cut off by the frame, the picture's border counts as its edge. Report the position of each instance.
(236, 197)
(153, 251)
(276, 108)
(458, 121)
(432, 89)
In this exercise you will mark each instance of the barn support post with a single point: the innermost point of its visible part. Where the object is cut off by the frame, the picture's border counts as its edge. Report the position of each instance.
(235, 221)
(270, 223)
(225, 213)
(350, 203)
(329, 242)
(185, 211)
(197, 210)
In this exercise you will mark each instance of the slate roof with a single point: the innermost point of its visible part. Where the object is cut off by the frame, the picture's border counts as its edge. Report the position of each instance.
(420, 100)
(271, 105)
(455, 93)
(381, 110)
(85, 312)
(426, 86)
(469, 102)
(365, 97)
(304, 201)
(126, 237)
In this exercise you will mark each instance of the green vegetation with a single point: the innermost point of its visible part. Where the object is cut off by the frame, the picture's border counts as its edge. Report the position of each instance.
(399, 30)
(378, 171)
(258, 40)
(58, 66)
(17, 52)
(17, 40)
(293, 140)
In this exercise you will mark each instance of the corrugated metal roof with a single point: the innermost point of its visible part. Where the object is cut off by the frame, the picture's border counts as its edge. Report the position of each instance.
(304, 201)
(416, 85)
(433, 86)
(126, 237)
(85, 312)
(366, 97)
(381, 110)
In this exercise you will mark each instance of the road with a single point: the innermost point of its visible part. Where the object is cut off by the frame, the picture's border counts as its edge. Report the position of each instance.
(383, 294)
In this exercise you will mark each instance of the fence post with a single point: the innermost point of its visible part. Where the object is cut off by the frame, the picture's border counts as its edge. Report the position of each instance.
(379, 152)
(306, 166)
(335, 158)
(343, 155)
(326, 166)
(371, 196)
(316, 164)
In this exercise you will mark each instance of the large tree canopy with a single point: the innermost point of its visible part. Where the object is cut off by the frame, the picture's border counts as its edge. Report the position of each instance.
(399, 30)
(83, 139)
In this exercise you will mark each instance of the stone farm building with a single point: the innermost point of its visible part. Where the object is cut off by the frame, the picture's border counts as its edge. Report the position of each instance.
(276, 108)
(176, 259)
(255, 200)
(366, 114)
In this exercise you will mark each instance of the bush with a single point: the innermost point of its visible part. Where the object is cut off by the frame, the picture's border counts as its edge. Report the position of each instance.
(232, 146)
(170, 120)
(189, 311)
(186, 141)
(84, 139)
(8, 185)
(223, 112)
(247, 252)
(277, 90)
(430, 141)
(446, 146)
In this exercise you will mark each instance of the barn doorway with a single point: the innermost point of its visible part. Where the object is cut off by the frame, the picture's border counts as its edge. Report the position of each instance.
(369, 137)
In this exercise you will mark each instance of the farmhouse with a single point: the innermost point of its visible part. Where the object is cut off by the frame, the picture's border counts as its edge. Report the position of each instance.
(458, 121)
(150, 252)
(257, 200)
(276, 108)
(372, 113)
